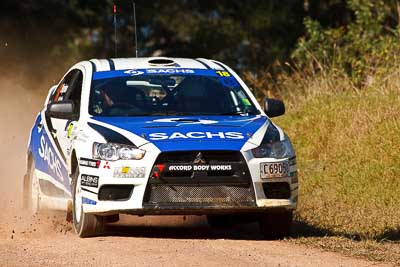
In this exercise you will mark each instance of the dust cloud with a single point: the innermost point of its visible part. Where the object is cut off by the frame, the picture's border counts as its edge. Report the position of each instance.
(20, 102)
(18, 108)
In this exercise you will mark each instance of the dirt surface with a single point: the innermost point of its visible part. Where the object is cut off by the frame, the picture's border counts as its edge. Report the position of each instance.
(48, 240)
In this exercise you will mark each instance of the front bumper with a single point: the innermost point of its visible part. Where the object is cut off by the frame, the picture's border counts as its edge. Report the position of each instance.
(136, 203)
(199, 210)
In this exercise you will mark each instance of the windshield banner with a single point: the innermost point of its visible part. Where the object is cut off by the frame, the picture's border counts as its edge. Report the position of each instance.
(170, 71)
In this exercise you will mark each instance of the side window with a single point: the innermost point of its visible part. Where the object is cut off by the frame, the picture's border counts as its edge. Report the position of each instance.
(60, 92)
(70, 89)
(75, 90)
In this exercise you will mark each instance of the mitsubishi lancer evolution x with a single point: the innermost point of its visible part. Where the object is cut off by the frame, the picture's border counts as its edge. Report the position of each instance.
(160, 136)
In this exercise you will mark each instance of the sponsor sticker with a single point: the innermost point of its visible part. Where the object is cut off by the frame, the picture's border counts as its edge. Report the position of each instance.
(170, 71)
(89, 180)
(196, 135)
(174, 120)
(86, 200)
(92, 163)
(134, 72)
(69, 130)
(200, 167)
(129, 172)
(49, 156)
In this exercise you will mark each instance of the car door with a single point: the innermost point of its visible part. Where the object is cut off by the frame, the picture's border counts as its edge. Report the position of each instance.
(69, 89)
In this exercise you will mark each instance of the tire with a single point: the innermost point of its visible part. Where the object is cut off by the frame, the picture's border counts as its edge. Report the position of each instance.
(85, 225)
(219, 221)
(276, 225)
(31, 190)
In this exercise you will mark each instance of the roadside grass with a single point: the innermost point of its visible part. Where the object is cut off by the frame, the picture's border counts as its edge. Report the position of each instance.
(387, 252)
(348, 153)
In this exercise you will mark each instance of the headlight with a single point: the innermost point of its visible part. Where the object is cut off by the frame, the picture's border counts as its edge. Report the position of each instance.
(279, 150)
(113, 152)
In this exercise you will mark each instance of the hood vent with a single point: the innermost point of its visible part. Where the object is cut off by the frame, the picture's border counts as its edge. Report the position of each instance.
(162, 61)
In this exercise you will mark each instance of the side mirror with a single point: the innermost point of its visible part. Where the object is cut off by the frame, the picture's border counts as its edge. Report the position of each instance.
(274, 107)
(61, 110)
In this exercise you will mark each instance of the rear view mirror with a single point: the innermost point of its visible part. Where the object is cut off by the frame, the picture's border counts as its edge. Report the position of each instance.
(163, 81)
(274, 107)
(61, 110)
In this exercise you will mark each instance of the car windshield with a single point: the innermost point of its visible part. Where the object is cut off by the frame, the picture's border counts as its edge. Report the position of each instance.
(161, 92)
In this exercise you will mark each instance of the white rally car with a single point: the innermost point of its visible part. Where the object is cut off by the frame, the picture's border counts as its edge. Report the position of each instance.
(146, 136)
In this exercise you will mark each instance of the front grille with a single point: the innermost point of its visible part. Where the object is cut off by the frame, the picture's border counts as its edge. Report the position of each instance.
(191, 186)
(277, 190)
(115, 192)
(186, 160)
(210, 156)
(200, 195)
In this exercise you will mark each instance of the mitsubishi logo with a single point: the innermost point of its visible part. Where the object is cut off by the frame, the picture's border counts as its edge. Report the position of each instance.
(199, 159)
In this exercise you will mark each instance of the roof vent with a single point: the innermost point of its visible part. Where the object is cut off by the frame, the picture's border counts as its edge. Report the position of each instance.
(162, 61)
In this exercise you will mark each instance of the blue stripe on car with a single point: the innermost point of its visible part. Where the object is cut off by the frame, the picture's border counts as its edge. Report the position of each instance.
(46, 158)
(177, 130)
(111, 136)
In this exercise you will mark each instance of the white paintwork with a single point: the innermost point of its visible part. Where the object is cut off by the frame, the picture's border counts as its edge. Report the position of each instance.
(83, 137)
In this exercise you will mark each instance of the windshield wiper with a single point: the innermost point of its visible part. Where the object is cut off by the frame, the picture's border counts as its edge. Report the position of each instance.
(177, 113)
(136, 114)
(158, 113)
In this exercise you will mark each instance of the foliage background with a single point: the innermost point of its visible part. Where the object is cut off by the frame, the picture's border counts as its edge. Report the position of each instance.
(245, 34)
(357, 38)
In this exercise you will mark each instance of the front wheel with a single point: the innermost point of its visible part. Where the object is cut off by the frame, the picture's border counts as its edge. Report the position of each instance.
(276, 225)
(85, 224)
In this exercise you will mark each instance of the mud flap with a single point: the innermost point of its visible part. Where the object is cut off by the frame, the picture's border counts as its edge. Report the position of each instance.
(25, 192)
(69, 212)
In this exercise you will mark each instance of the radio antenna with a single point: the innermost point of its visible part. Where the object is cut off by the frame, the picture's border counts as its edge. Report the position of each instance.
(115, 29)
(134, 22)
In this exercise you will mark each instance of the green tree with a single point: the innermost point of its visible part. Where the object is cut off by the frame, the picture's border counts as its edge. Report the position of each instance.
(362, 48)
(245, 34)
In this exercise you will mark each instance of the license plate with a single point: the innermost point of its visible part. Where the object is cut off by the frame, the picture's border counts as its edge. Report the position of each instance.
(275, 169)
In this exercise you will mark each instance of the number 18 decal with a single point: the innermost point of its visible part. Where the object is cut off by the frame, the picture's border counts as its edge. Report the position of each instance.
(223, 73)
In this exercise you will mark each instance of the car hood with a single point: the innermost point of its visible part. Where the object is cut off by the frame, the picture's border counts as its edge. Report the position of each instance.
(176, 133)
